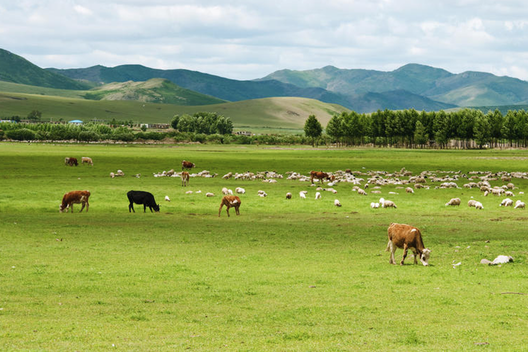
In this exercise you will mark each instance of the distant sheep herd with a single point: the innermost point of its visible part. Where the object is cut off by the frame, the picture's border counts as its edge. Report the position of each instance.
(400, 235)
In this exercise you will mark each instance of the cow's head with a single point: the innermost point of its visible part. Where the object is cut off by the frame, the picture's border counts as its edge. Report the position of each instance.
(156, 208)
(63, 209)
(424, 257)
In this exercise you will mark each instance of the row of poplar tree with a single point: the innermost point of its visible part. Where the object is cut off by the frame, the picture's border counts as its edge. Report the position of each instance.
(466, 128)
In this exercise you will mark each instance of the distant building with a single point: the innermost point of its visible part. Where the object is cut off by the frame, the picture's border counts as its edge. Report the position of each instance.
(76, 122)
(243, 133)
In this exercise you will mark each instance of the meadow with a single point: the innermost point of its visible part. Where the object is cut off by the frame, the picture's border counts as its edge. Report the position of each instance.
(285, 275)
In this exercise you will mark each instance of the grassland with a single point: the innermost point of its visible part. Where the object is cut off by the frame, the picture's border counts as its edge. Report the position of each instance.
(298, 275)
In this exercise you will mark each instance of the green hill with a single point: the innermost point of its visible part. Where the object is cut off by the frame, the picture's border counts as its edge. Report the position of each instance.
(269, 112)
(222, 88)
(16, 69)
(437, 85)
(156, 90)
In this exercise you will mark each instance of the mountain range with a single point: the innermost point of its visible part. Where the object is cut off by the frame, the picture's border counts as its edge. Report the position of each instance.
(411, 86)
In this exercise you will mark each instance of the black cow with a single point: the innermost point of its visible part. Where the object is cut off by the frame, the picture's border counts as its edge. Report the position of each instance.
(141, 197)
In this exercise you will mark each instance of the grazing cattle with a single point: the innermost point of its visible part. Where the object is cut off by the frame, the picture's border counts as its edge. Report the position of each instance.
(230, 201)
(141, 197)
(405, 237)
(86, 160)
(185, 178)
(72, 161)
(74, 197)
(187, 165)
(320, 176)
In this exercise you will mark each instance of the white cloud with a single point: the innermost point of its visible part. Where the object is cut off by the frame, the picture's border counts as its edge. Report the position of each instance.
(245, 39)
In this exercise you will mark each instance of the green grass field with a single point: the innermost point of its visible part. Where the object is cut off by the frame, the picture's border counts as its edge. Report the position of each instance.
(297, 275)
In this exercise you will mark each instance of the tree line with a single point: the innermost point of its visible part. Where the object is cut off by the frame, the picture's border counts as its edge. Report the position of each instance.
(465, 128)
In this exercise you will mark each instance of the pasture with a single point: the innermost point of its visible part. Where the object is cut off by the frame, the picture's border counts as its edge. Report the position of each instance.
(285, 275)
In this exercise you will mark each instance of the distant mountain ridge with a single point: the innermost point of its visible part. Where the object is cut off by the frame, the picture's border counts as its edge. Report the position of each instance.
(16, 69)
(411, 86)
(234, 90)
(464, 89)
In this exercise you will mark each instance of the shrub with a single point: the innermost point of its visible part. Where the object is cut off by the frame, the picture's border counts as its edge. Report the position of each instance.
(87, 136)
(23, 134)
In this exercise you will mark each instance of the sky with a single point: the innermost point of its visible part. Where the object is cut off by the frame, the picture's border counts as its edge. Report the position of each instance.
(247, 39)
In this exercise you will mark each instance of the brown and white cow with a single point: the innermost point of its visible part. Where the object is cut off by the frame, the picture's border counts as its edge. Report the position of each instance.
(74, 197)
(407, 236)
(71, 161)
(86, 160)
(320, 176)
(187, 165)
(230, 201)
(185, 178)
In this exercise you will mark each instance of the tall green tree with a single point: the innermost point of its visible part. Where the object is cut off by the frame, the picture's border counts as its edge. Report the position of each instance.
(313, 128)
(482, 130)
(34, 115)
(334, 128)
(420, 135)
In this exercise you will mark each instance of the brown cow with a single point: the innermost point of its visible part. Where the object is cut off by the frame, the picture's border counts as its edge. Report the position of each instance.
(185, 178)
(86, 160)
(187, 165)
(74, 197)
(406, 236)
(230, 201)
(72, 161)
(320, 176)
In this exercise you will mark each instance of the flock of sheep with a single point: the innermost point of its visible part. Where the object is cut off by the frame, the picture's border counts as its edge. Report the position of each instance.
(372, 182)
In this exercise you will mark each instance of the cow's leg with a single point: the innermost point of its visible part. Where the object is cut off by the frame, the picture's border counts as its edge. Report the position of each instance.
(131, 206)
(82, 207)
(237, 211)
(87, 205)
(145, 208)
(220, 209)
(227, 210)
(405, 248)
(392, 250)
(415, 256)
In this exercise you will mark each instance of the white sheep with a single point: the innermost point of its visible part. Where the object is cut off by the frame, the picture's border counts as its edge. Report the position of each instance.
(409, 190)
(302, 194)
(387, 203)
(361, 192)
(337, 203)
(506, 203)
(478, 205)
(189, 192)
(374, 205)
(240, 190)
(453, 201)
(167, 198)
(472, 202)
(317, 195)
(209, 194)
(519, 205)
(288, 195)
